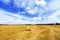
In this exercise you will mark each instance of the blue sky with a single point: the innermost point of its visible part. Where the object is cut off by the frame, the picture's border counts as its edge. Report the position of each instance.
(29, 12)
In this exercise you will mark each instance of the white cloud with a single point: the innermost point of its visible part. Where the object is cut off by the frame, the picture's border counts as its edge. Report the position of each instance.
(41, 2)
(16, 19)
(54, 4)
(54, 14)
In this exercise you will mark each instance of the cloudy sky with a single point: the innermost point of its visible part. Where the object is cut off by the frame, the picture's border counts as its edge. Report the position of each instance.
(29, 12)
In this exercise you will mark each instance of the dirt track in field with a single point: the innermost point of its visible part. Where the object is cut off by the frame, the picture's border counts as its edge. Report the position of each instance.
(29, 32)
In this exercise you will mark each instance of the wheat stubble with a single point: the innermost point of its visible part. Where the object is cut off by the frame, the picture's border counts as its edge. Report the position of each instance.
(34, 32)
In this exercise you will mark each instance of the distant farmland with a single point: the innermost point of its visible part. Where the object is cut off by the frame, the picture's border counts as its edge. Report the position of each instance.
(29, 32)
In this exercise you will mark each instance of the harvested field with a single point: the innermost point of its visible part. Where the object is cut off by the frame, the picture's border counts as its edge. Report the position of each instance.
(29, 32)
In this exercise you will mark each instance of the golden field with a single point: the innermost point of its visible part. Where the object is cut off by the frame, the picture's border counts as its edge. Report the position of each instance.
(29, 32)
